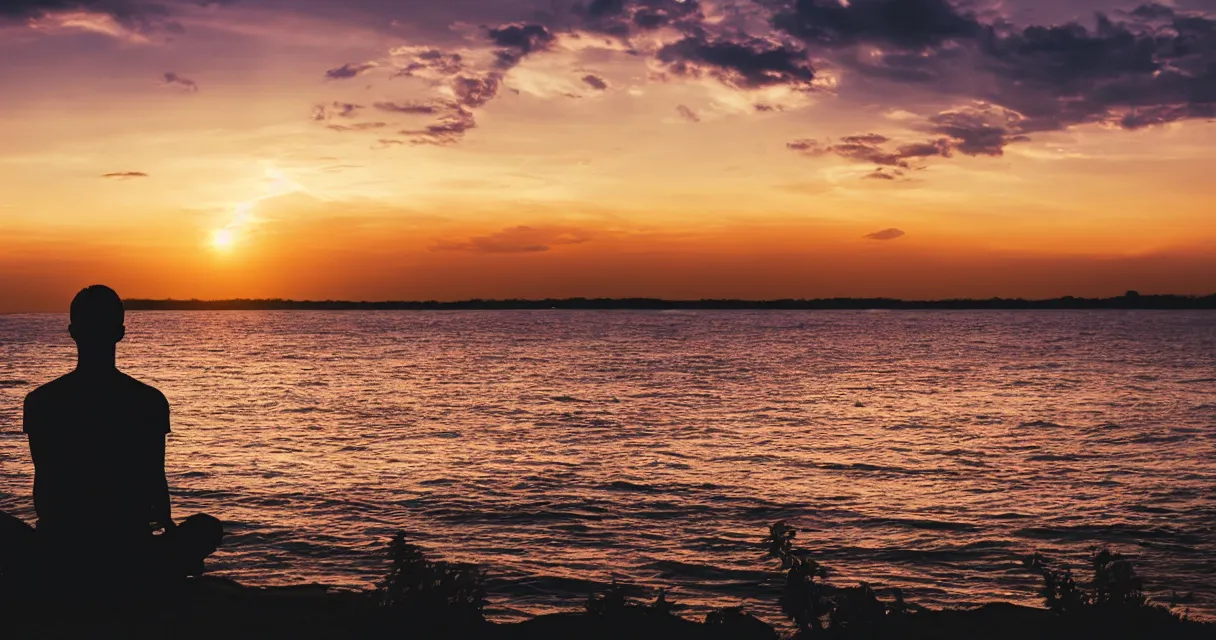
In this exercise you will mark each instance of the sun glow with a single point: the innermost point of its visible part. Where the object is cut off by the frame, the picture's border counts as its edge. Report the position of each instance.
(223, 239)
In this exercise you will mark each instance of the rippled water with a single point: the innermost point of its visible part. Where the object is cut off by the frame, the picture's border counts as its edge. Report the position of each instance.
(926, 450)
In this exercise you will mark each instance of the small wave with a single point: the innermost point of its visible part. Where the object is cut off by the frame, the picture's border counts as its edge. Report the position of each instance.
(12, 384)
(876, 468)
(1040, 424)
(905, 426)
(301, 410)
(1121, 532)
(622, 485)
(1056, 457)
(675, 568)
(1198, 381)
(916, 523)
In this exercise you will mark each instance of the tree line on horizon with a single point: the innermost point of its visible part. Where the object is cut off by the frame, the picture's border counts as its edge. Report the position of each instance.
(1130, 300)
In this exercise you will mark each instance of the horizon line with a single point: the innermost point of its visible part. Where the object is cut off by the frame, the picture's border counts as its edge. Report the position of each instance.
(1129, 300)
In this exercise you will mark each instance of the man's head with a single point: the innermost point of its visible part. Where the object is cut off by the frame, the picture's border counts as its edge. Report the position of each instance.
(97, 317)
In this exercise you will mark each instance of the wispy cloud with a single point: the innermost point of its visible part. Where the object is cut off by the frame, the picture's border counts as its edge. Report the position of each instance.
(350, 70)
(174, 81)
(885, 234)
(521, 239)
(687, 113)
(124, 175)
(595, 82)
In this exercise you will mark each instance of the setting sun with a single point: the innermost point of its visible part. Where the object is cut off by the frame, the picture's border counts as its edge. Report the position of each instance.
(223, 239)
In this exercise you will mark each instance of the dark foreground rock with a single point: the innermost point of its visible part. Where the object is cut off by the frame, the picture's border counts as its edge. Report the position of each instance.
(214, 608)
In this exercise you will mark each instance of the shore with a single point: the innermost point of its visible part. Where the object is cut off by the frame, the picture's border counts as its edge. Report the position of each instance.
(423, 598)
(219, 608)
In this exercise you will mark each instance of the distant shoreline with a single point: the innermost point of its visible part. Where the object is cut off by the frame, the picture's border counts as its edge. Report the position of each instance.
(1129, 301)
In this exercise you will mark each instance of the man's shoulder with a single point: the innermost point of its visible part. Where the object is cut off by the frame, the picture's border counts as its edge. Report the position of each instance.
(51, 391)
(144, 391)
(70, 385)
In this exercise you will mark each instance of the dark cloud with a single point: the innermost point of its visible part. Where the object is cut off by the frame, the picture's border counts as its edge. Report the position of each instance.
(139, 16)
(519, 40)
(1157, 66)
(902, 24)
(973, 132)
(359, 126)
(124, 175)
(865, 138)
(885, 234)
(178, 82)
(745, 63)
(346, 109)
(416, 108)
(350, 70)
(807, 146)
(982, 130)
(449, 129)
(688, 114)
(520, 239)
(866, 147)
(1151, 65)
(1143, 67)
(881, 173)
(476, 91)
(622, 18)
(322, 112)
(595, 82)
(427, 62)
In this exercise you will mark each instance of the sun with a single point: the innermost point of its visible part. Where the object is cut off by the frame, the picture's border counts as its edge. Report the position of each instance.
(223, 239)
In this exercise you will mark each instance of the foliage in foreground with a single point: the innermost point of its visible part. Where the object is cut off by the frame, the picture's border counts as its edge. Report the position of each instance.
(816, 607)
(1115, 589)
(421, 587)
(436, 590)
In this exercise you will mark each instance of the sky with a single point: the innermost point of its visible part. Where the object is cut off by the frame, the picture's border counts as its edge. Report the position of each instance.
(454, 149)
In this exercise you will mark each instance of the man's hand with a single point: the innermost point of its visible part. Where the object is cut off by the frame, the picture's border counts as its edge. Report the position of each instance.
(166, 527)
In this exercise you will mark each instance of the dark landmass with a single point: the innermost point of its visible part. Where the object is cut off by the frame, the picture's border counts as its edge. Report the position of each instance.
(1131, 300)
(421, 598)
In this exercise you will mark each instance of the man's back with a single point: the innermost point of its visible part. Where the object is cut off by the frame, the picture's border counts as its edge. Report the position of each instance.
(97, 440)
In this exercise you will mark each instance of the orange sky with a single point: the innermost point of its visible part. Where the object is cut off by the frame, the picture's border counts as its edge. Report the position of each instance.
(205, 151)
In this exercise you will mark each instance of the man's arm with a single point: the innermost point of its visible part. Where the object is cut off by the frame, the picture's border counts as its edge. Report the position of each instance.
(162, 513)
(158, 483)
(31, 423)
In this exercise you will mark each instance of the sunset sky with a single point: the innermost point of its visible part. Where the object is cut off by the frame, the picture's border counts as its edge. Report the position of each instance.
(451, 149)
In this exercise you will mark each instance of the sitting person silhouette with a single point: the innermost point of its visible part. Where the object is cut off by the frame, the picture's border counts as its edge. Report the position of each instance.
(97, 437)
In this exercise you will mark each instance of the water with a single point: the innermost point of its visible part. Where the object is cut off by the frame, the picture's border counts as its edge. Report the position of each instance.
(926, 450)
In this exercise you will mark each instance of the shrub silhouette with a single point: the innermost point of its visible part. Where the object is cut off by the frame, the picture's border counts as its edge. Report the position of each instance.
(616, 601)
(1115, 591)
(432, 590)
(815, 606)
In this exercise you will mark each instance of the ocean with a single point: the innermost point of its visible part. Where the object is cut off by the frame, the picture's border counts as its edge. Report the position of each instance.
(562, 450)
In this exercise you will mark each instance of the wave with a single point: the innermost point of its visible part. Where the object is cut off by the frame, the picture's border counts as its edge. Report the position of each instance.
(877, 468)
(917, 523)
(1119, 532)
(1041, 424)
(1056, 457)
(623, 485)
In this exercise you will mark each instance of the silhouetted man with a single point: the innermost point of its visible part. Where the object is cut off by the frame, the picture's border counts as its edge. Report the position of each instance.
(97, 437)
